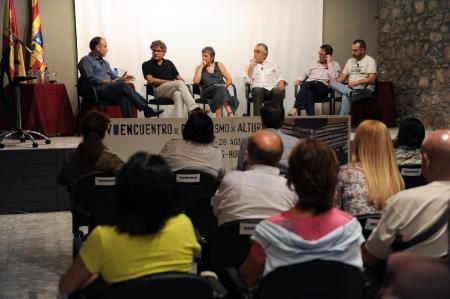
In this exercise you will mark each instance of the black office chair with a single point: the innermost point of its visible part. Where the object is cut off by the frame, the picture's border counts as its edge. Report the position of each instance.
(368, 223)
(249, 97)
(197, 93)
(168, 285)
(154, 99)
(365, 108)
(93, 203)
(230, 245)
(412, 175)
(328, 99)
(195, 189)
(18, 132)
(87, 98)
(316, 279)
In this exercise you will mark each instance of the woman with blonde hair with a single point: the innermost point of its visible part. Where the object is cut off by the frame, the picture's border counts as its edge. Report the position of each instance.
(372, 176)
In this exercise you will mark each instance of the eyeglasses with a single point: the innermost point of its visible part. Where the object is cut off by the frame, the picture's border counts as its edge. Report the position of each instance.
(157, 50)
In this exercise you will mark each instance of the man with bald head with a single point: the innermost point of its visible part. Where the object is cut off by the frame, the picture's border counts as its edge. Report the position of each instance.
(414, 219)
(260, 191)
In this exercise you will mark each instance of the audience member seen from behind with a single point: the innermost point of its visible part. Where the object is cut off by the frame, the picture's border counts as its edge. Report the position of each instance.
(272, 119)
(372, 176)
(408, 142)
(313, 229)
(210, 75)
(195, 151)
(414, 219)
(413, 276)
(151, 235)
(91, 156)
(258, 192)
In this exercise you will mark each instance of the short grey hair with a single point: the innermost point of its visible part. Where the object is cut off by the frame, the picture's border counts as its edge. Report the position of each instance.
(158, 44)
(210, 51)
(266, 49)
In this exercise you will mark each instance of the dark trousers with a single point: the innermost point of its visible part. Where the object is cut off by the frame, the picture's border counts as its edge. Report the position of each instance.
(260, 95)
(121, 93)
(310, 90)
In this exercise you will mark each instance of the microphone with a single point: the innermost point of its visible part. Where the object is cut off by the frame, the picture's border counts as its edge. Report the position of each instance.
(262, 68)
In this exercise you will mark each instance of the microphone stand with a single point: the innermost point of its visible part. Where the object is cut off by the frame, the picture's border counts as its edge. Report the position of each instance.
(21, 133)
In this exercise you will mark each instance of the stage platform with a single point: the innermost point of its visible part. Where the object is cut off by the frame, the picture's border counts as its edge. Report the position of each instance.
(28, 175)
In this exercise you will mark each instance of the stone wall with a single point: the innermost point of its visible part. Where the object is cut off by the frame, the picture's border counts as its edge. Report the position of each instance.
(414, 53)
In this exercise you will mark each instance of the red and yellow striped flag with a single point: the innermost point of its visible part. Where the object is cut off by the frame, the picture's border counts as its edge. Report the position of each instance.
(37, 42)
(10, 25)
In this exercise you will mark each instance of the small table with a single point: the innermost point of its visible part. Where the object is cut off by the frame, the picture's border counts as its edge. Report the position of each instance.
(45, 108)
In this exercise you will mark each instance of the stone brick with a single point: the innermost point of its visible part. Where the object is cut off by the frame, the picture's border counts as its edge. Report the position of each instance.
(423, 82)
(419, 6)
(435, 37)
(437, 85)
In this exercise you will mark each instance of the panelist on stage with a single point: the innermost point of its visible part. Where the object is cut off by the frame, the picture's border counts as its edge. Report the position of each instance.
(361, 71)
(163, 73)
(266, 80)
(95, 71)
(210, 75)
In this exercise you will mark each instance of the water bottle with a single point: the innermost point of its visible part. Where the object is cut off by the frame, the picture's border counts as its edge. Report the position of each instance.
(38, 76)
(116, 72)
(30, 74)
(46, 76)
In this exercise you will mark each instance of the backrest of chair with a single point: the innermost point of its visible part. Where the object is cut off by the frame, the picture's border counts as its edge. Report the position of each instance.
(150, 90)
(230, 245)
(196, 89)
(195, 189)
(171, 285)
(368, 223)
(412, 175)
(316, 279)
(96, 195)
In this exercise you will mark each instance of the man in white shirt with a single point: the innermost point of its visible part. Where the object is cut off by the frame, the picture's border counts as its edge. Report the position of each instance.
(410, 213)
(267, 82)
(317, 84)
(272, 118)
(260, 191)
(361, 71)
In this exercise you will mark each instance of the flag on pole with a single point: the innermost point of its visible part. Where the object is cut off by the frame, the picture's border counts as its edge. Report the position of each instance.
(37, 60)
(10, 25)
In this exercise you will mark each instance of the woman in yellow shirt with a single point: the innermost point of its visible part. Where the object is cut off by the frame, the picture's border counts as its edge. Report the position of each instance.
(151, 235)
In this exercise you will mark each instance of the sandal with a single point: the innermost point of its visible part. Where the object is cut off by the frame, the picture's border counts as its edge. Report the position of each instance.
(231, 114)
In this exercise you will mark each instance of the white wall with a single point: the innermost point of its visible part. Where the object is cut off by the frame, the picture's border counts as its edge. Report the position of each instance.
(291, 28)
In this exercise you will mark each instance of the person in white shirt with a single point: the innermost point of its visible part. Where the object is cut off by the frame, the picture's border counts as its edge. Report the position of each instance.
(267, 82)
(272, 118)
(412, 212)
(195, 150)
(260, 191)
(361, 71)
(317, 84)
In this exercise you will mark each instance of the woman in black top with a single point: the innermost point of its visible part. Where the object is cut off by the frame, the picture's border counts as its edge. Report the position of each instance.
(210, 75)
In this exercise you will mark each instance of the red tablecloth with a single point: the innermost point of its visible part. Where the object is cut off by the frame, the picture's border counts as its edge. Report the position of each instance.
(45, 108)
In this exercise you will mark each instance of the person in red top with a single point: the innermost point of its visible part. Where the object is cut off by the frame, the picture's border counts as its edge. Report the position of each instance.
(311, 230)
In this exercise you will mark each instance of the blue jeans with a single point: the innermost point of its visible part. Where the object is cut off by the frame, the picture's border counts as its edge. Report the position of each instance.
(343, 89)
